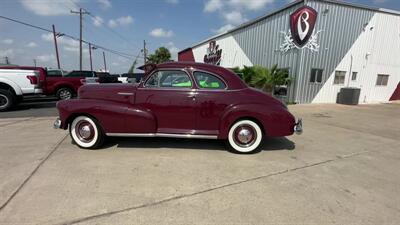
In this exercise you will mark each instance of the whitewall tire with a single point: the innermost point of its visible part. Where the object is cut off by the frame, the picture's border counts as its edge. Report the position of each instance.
(86, 132)
(245, 136)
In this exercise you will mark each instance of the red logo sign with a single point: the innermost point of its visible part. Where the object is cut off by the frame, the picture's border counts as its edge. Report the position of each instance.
(214, 54)
(302, 23)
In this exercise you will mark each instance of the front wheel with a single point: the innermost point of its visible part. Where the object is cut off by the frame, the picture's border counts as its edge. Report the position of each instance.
(245, 136)
(86, 132)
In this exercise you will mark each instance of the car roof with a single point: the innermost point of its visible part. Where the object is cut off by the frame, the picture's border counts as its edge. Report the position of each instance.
(233, 81)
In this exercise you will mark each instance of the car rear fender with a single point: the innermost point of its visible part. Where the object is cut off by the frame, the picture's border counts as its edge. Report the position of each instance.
(273, 119)
(13, 85)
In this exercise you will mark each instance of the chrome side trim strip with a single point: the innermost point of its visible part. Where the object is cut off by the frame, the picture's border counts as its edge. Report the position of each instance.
(199, 136)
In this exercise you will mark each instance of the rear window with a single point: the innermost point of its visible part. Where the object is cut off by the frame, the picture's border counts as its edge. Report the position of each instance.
(208, 81)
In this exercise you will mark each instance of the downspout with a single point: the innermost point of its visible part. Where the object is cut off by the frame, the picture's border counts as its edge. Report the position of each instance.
(351, 67)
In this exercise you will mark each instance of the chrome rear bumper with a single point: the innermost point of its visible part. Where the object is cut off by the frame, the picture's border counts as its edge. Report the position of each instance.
(57, 124)
(298, 127)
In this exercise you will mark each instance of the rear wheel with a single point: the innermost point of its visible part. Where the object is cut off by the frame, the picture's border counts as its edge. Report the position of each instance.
(64, 93)
(7, 100)
(245, 136)
(86, 132)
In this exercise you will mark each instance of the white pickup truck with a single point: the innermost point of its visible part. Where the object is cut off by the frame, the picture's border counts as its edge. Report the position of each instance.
(14, 84)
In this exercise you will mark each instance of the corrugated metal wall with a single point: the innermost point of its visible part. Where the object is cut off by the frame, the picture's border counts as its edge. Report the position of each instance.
(261, 41)
(340, 25)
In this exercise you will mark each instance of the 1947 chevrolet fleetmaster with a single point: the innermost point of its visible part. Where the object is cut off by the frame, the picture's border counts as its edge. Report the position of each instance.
(180, 100)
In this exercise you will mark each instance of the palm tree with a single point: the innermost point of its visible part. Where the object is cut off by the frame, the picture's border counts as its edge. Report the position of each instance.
(267, 79)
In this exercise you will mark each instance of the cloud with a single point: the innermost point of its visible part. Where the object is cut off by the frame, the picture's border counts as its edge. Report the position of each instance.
(224, 28)
(213, 5)
(121, 21)
(97, 21)
(173, 50)
(159, 33)
(31, 45)
(7, 41)
(46, 58)
(67, 44)
(49, 8)
(172, 1)
(7, 52)
(104, 4)
(250, 4)
(234, 17)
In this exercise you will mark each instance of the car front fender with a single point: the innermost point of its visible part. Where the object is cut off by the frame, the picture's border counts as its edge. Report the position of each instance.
(114, 117)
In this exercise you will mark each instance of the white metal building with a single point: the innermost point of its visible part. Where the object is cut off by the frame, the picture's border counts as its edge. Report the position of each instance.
(325, 45)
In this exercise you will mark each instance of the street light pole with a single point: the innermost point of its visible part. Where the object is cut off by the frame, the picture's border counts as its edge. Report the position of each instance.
(90, 56)
(105, 64)
(55, 44)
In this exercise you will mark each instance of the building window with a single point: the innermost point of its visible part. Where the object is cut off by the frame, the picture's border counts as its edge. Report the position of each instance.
(339, 77)
(354, 76)
(316, 75)
(382, 80)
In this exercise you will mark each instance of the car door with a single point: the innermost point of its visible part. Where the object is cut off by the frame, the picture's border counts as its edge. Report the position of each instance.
(170, 97)
(211, 101)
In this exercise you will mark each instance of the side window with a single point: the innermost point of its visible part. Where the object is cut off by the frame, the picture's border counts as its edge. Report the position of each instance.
(87, 74)
(208, 81)
(169, 79)
(73, 74)
(316, 76)
(339, 77)
(54, 73)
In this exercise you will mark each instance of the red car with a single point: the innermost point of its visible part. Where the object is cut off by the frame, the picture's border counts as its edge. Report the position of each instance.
(180, 100)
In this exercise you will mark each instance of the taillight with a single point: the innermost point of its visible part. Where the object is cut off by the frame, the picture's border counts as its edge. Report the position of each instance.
(83, 81)
(32, 79)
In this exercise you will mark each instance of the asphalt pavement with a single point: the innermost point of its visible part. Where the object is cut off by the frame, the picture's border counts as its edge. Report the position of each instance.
(33, 107)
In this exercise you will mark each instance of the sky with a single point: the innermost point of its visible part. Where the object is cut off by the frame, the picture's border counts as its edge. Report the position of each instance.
(122, 25)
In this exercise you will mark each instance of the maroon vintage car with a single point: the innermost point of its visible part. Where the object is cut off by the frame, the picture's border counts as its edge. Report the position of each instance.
(180, 100)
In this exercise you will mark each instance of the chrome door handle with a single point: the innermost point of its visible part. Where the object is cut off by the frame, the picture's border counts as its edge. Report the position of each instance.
(125, 93)
(192, 97)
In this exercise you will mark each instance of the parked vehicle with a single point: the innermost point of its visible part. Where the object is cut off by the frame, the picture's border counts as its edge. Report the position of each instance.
(133, 77)
(56, 72)
(181, 100)
(16, 83)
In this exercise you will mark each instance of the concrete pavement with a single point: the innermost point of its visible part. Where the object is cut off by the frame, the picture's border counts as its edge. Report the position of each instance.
(342, 170)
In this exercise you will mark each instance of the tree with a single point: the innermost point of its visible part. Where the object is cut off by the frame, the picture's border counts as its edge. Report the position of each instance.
(132, 69)
(161, 55)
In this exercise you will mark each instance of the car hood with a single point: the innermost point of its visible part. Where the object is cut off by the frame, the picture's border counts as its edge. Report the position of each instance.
(114, 92)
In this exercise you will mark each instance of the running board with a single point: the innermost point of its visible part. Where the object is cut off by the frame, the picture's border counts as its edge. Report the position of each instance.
(197, 136)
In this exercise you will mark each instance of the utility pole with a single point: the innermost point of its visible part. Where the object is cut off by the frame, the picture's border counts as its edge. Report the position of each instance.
(55, 44)
(90, 56)
(105, 64)
(7, 61)
(144, 50)
(34, 62)
(81, 13)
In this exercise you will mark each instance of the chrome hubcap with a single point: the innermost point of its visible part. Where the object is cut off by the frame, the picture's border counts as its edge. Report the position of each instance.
(245, 136)
(84, 131)
(3, 101)
(65, 94)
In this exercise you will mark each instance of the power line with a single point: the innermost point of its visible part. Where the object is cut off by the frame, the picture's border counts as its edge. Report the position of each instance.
(119, 53)
(103, 24)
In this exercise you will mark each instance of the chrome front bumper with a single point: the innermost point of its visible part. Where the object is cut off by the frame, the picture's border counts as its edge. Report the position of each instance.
(57, 124)
(298, 127)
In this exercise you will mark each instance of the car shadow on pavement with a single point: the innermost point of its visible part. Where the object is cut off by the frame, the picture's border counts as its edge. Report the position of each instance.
(270, 144)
